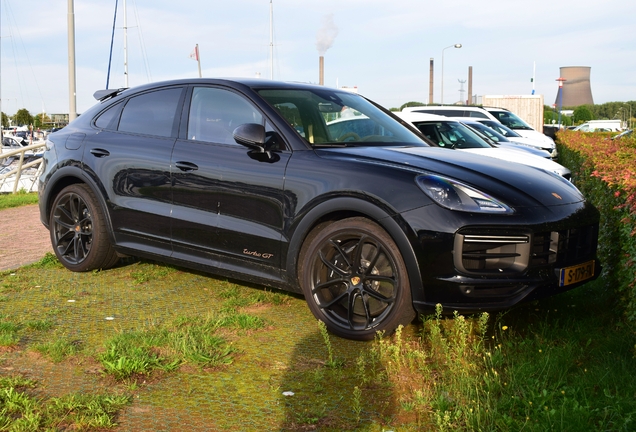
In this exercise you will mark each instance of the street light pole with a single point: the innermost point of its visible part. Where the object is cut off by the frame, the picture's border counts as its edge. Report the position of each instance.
(450, 46)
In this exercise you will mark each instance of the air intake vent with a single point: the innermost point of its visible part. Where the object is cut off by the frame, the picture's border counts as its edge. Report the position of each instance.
(492, 253)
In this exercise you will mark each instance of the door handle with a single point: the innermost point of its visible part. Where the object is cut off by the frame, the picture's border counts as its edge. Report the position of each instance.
(186, 166)
(100, 152)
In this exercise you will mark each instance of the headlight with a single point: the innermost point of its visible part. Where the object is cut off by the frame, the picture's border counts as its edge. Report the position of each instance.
(455, 195)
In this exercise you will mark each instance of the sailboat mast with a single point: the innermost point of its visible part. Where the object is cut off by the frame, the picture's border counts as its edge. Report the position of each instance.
(271, 40)
(72, 109)
(125, 46)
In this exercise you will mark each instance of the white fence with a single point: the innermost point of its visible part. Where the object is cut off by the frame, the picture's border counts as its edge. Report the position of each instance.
(20, 169)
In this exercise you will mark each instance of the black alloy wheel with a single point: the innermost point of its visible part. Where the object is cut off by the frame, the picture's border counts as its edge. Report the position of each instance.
(354, 279)
(78, 231)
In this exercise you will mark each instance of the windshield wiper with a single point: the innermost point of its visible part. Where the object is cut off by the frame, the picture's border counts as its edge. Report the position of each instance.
(343, 144)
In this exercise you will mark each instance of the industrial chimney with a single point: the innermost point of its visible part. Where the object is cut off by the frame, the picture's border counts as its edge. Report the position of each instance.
(321, 70)
(430, 83)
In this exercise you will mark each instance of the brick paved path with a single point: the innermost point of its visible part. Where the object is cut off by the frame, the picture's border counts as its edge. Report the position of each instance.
(23, 238)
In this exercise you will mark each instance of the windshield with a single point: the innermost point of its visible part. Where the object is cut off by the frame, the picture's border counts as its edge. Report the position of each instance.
(451, 134)
(335, 118)
(510, 120)
(489, 132)
(504, 130)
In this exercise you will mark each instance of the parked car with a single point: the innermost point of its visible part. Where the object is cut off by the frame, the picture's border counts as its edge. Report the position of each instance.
(449, 133)
(514, 136)
(243, 178)
(600, 126)
(501, 140)
(627, 133)
(500, 115)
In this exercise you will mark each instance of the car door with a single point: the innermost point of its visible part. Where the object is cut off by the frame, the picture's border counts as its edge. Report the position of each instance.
(131, 154)
(228, 200)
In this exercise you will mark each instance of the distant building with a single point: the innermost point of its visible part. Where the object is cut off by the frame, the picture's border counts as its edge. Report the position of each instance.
(576, 89)
(59, 119)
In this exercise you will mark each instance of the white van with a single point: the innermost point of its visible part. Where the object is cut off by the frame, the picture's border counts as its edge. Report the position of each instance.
(600, 126)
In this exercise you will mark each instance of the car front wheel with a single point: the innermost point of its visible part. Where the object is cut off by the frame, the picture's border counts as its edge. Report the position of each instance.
(354, 279)
(78, 231)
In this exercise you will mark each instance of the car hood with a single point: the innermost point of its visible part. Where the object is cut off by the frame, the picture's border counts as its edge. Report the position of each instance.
(516, 184)
(536, 136)
(518, 156)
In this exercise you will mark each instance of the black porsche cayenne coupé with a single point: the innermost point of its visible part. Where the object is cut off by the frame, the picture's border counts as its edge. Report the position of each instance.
(263, 181)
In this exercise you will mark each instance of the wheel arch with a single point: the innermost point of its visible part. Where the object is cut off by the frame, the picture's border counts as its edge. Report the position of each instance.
(345, 207)
(68, 176)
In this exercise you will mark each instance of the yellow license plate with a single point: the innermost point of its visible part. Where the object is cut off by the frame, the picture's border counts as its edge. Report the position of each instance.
(577, 273)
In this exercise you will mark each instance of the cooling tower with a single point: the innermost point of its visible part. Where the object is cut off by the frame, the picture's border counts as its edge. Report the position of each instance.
(576, 89)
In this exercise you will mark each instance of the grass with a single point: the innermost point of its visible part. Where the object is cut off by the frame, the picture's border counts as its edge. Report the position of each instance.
(176, 350)
(18, 199)
(23, 412)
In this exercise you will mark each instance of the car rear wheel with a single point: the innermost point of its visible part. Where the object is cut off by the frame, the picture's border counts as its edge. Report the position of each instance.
(78, 231)
(354, 279)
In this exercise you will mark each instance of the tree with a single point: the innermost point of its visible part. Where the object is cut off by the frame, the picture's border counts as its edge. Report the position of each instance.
(5, 120)
(23, 117)
(582, 114)
(41, 120)
(411, 104)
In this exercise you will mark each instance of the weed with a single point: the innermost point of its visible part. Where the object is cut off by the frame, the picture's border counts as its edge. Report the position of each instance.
(9, 333)
(39, 325)
(58, 349)
(48, 261)
(356, 404)
(332, 361)
(241, 321)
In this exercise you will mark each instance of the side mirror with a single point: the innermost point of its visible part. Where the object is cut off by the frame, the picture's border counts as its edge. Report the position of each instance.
(251, 135)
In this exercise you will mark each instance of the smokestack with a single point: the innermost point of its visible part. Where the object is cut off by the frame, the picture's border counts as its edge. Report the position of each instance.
(321, 70)
(324, 41)
(469, 101)
(430, 84)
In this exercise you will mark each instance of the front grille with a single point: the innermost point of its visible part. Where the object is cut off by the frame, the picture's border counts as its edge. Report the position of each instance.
(577, 245)
(492, 252)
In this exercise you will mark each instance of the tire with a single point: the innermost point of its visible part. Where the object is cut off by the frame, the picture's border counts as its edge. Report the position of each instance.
(354, 279)
(79, 235)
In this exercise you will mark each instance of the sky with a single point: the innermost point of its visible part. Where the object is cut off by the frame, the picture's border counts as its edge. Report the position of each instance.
(381, 47)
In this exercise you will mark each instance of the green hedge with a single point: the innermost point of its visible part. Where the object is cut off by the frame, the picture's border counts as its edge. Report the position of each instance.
(605, 172)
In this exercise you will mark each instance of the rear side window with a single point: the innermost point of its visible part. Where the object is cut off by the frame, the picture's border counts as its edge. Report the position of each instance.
(151, 113)
(109, 118)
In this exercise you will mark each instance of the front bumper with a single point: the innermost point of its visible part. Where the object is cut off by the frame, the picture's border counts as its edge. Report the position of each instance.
(490, 266)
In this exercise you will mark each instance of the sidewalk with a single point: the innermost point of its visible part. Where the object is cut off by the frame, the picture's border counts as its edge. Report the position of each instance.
(23, 238)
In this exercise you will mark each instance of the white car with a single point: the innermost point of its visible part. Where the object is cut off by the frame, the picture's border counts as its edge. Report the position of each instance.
(449, 133)
(513, 136)
(502, 115)
(509, 119)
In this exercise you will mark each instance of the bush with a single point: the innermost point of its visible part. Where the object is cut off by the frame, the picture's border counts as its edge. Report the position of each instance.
(605, 171)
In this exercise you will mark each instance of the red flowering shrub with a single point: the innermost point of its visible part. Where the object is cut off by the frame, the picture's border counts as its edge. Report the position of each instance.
(605, 171)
